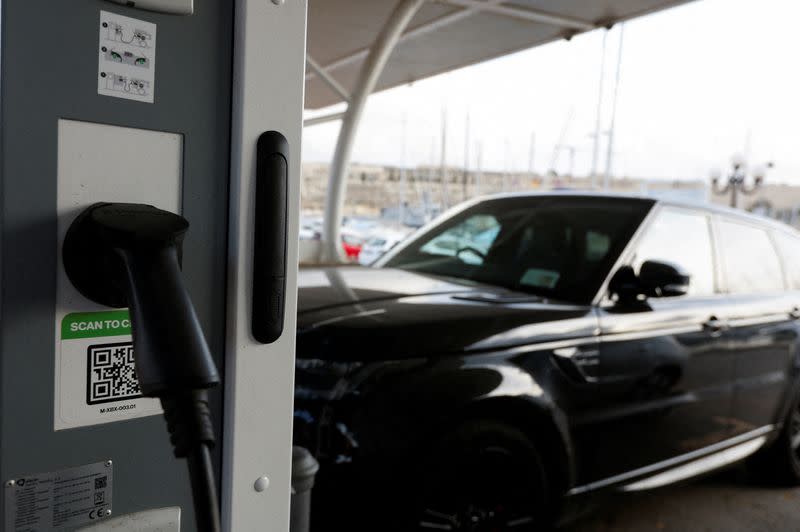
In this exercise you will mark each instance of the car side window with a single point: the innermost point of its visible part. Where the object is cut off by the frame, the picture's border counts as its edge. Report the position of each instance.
(749, 259)
(682, 238)
(789, 247)
(475, 234)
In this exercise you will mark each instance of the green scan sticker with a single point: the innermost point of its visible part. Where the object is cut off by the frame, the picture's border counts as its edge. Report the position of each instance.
(95, 324)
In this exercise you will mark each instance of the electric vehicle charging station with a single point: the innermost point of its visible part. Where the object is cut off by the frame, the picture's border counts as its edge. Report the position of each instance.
(163, 103)
(195, 109)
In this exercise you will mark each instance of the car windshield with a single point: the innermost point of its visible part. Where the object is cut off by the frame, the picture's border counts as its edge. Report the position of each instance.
(556, 247)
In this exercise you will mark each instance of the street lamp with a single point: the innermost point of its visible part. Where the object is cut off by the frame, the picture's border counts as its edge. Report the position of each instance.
(736, 179)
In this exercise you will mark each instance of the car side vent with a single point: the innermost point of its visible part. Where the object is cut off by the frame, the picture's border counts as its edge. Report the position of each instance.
(580, 363)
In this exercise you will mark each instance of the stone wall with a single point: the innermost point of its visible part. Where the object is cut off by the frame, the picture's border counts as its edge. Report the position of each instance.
(371, 187)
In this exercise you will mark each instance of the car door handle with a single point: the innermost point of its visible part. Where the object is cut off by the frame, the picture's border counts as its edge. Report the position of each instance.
(715, 326)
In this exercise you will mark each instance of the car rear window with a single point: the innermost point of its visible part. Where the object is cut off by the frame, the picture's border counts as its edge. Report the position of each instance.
(789, 247)
(683, 238)
(749, 259)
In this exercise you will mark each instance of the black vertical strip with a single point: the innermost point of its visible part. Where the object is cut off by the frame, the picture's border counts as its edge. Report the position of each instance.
(269, 257)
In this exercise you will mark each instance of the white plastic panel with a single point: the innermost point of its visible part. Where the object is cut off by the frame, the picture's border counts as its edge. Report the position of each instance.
(269, 64)
(98, 162)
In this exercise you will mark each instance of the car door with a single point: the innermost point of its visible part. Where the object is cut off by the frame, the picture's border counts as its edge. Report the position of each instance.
(761, 318)
(664, 380)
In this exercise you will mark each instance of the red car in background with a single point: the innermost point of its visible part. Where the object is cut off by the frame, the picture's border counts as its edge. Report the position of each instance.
(352, 244)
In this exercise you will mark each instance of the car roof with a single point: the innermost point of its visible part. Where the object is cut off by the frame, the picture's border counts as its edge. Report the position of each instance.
(699, 205)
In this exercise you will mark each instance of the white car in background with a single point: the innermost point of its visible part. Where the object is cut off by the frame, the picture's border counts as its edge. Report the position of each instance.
(310, 227)
(379, 243)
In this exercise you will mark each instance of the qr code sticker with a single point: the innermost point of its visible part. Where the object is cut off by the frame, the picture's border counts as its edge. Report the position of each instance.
(111, 374)
(100, 483)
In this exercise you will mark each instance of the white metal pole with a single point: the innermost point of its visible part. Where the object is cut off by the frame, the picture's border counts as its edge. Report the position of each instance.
(532, 155)
(610, 154)
(571, 161)
(327, 78)
(324, 119)
(507, 171)
(561, 139)
(367, 80)
(402, 196)
(429, 180)
(598, 119)
(466, 157)
(479, 168)
(443, 162)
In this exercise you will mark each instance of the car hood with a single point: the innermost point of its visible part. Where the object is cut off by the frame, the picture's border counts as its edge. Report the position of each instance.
(365, 314)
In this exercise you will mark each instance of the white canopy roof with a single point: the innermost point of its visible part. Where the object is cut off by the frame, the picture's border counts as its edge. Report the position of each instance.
(444, 35)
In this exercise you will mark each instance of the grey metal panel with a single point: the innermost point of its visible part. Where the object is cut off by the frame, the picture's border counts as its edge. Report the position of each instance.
(49, 69)
(340, 28)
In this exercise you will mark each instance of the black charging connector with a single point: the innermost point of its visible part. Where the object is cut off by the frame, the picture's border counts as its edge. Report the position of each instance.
(123, 254)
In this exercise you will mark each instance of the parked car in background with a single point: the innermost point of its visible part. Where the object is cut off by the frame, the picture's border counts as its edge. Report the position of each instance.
(381, 241)
(310, 227)
(362, 225)
(587, 343)
(352, 243)
(307, 233)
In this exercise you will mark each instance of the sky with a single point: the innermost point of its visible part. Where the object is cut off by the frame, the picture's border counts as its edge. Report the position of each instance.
(698, 83)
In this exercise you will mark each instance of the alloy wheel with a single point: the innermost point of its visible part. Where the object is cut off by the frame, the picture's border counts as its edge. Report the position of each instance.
(490, 491)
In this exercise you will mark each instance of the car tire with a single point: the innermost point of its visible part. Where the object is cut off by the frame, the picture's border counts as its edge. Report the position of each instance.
(482, 476)
(779, 464)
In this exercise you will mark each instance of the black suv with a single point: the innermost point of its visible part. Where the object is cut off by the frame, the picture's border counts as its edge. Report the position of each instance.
(530, 350)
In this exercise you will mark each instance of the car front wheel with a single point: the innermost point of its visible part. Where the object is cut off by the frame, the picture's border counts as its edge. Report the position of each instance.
(483, 476)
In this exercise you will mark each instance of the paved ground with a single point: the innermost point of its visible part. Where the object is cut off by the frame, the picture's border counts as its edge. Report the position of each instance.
(726, 502)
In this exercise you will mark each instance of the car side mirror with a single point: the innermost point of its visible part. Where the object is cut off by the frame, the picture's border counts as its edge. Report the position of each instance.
(624, 285)
(663, 279)
(655, 279)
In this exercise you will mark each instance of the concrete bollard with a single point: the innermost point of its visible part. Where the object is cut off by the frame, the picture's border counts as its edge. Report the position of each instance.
(304, 469)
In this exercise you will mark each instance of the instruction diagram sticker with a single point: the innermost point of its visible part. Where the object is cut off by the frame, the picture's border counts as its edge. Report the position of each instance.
(127, 58)
(97, 373)
(59, 500)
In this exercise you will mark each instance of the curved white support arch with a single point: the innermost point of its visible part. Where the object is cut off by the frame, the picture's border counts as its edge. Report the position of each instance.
(367, 80)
